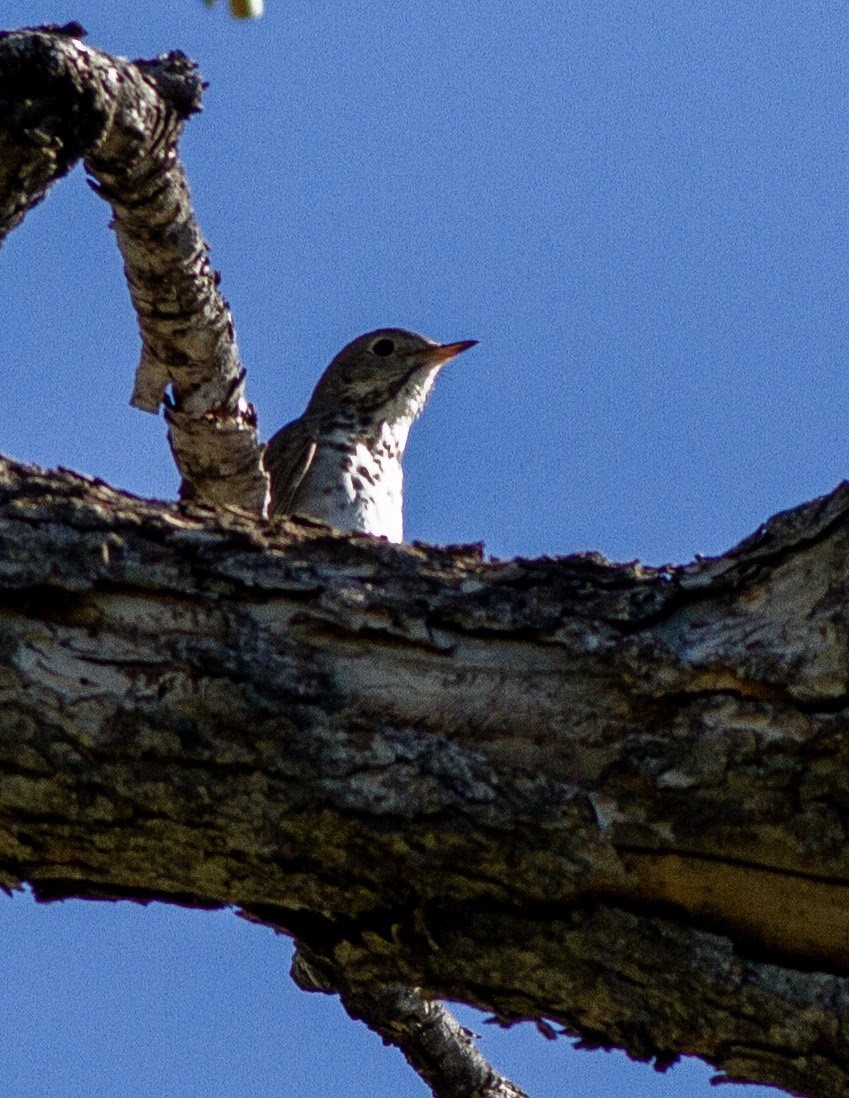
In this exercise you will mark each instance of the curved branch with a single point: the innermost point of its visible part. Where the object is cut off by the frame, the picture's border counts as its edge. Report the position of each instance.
(609, 796)
(61, 100)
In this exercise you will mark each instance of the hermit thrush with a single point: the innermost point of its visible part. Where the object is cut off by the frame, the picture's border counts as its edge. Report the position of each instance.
(340, 462)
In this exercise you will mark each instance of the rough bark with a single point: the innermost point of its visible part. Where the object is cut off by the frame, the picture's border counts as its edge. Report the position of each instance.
(603, 795)
(60, 101)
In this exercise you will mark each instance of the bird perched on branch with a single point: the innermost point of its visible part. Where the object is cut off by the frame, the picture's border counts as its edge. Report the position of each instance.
(340, 462)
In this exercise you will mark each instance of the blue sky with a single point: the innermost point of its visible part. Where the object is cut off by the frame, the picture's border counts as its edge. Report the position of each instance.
(640, 210)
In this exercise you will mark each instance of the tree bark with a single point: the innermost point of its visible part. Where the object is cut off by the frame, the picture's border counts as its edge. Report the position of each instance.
(608, 796)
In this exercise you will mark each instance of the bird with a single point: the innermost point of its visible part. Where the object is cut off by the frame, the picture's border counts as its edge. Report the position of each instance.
(340, 462)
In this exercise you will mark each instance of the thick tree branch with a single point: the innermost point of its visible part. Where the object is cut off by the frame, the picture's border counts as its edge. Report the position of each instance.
(61, 100)
(608, 796)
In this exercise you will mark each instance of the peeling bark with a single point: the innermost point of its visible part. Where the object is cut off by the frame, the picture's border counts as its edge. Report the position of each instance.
(608, 796)
(60, 101)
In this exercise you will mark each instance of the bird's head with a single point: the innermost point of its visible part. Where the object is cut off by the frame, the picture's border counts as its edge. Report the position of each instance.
(382, 370)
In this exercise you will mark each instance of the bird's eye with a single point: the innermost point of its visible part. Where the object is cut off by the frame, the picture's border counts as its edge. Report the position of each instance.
(383, 347)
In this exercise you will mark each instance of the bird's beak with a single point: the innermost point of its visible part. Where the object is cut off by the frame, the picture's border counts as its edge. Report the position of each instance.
(442, 353)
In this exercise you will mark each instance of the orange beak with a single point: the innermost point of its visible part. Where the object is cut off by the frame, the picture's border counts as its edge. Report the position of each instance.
(442, 353)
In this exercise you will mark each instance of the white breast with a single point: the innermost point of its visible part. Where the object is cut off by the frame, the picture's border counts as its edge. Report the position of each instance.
(356, 488)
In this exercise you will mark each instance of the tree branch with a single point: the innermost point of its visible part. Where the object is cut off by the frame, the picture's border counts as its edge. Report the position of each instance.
(433, 1042)
(61, 100)
(609, 796)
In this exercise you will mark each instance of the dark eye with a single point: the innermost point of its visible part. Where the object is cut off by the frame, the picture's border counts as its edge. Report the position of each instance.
(383, 347)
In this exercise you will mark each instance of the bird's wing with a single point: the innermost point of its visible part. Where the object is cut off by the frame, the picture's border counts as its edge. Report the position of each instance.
(288, 457)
